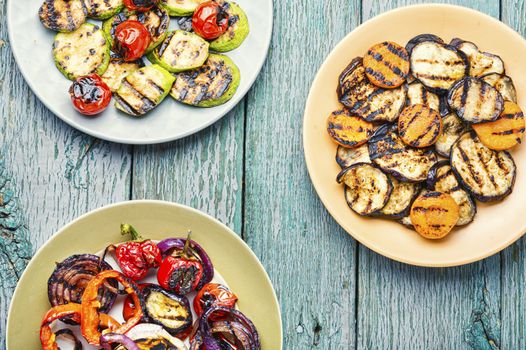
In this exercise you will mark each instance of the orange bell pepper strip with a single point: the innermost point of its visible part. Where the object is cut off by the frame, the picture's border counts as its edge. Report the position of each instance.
(90, 316)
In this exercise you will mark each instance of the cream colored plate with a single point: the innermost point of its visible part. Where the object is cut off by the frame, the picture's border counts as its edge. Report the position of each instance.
(497, 225)
(92, 232)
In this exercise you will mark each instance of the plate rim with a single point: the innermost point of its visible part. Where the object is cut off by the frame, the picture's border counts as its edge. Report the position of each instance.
(64, 228)
(310, 163)
(150, 141)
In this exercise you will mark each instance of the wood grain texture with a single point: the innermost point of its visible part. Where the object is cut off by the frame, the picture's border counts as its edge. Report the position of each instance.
(310, 260)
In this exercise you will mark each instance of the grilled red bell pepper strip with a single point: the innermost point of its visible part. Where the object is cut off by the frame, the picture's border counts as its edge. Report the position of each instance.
(90, 316)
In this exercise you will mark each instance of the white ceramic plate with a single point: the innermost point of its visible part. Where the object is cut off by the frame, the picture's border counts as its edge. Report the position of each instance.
(31, 44)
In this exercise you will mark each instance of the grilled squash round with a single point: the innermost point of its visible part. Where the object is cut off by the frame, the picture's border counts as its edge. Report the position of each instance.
(103, 9)
(62, 15)
(386, 64)
(348, 130)
(419, 126)
(237, 31)
(434, 214)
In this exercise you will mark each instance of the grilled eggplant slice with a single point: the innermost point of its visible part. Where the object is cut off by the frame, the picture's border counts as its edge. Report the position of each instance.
(237, 31)
(348, 130)
(103, 9)
(388, 152)
(475, 101)
(117, 70)
(452, 129)
(503, 84)
(386, 65)
(443, 106)
(419, 126)
(504, 133)
(346, 157)
(442, 179)
(142, 90)
(210, 85)
(481, 63)
(400, 200)
(180, 51)
(420, 39)
(179, 8)
(434, 214)
(367, 188)
(406, 221)
(82, 52)
(487, 174)
(438, 66)
(62, 15)
(418, 94)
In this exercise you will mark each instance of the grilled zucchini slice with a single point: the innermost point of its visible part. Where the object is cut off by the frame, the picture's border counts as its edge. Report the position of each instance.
(420, 39)
(452, 129)
(82, 52)
(438, 66)
(487, 174)
(389, 153)
(386, 65)
(237, 30)
(142, 90)
(475, 101)
(367, 188)
(62, 15)
(434, 214)
(442, 179)
(103, 9)
(418, 94)
(503, 84)
(117, 70)
(210, 85)
(179, 8)
(504, 133)
(346, 157)
(400, 200)
(348, 130)
(419, 126)
(481, 63)
(180, 51)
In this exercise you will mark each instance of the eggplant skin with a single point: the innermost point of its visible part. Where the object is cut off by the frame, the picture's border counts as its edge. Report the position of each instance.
(420, 39)
(345, 157)
(452, 129)
(62, 15)
(503, 84)
(400, 200)
(481, 63)
(238, 29)
(167, 309)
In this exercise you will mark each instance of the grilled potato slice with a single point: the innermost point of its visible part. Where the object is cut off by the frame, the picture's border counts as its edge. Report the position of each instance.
(434, 214)
(103, 9)
(238, 28)
(388, 152)
(82, 52)
(452, 129)
(367, 188)
(504, 133)
(62, 15)
(117, 70)
(503, 84)
(420, 39)
(487, 174)
(179, 8)
(419, 126)
(442, 179)
(438, 66)
(418, 94)
(475, 101)
(400, 200)
(481, 63)
(346, 157)
(348, 130)
(210, 85)
(386, 65)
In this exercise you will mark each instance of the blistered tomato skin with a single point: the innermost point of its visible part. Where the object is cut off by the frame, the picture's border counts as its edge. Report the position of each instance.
(213, 294)
(131, 40)
(210, 20)
(90, 95)
(140, 5)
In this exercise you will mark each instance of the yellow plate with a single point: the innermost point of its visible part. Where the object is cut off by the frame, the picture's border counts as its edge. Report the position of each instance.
(158, 220)
(496, 225)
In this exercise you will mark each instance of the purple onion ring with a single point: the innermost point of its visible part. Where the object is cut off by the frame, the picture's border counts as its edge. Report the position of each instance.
(68, 333)
(115, 338)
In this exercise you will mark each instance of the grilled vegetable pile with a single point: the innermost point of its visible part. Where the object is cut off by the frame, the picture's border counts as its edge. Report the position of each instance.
(109, 57)
(172, 301)
(424, 131)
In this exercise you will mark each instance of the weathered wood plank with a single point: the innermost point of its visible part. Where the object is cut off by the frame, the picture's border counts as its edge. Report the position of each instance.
(404, 307)
(309, 258)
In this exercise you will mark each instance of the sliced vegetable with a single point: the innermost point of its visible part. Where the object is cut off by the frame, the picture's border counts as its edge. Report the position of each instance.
(438, 66)
(418, 94)
(367, 188)
(346, 157)
(131, 40)
(68, 334)
(210, 20)
(419, 126)
(62, 15)
(487, 174)
(452, 129)
(90, 95)
(481, 63)
(82, 52)
(179, 8)
(400, 200)
(107, 339)
(213, 294)
(102, 9)
(210, 85)
(153, 336)
(237, 31)
(348, 130)
(444, 106)
(140, 5)
(503, 84)
(406, 221)
(386, 64)
(420, 39)
(117, 70)
(434, 214)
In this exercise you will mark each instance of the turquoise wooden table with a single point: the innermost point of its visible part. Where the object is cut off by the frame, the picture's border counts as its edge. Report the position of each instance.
(248, 171)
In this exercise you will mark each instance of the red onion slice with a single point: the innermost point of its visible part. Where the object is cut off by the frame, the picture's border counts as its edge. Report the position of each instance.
(106, 340)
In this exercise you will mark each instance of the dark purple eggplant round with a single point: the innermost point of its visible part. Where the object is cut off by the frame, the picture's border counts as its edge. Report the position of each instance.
(421, 38)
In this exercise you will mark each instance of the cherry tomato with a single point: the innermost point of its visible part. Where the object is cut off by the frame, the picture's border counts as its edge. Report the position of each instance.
(213, 294)
(140, 5)
(89, 94)
(210, 20)
(131, 40)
